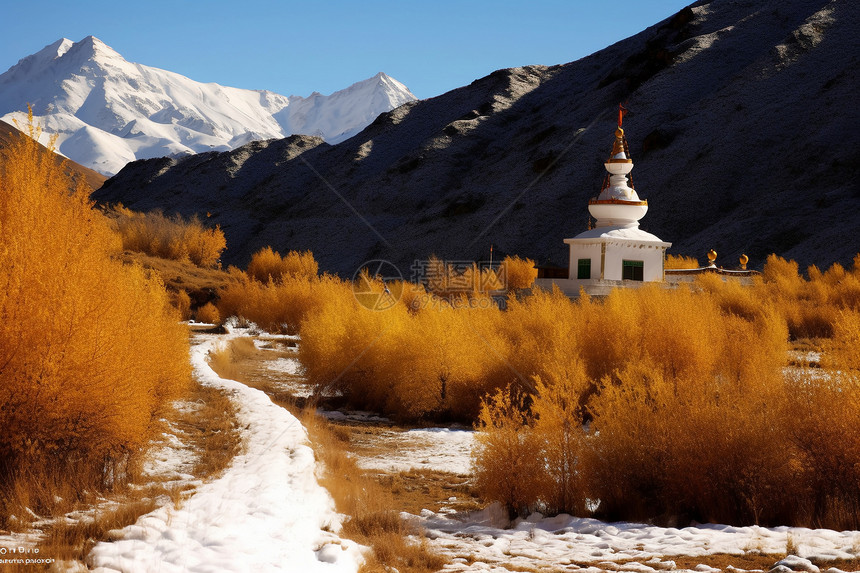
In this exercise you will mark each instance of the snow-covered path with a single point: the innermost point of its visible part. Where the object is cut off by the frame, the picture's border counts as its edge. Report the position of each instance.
(265, 513)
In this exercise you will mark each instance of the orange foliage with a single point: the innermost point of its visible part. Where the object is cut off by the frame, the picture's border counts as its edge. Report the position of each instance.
(516, 273)
(655, 402)
(452, 281)
(267, 264)
(430, 361)
(169, 237)
(278, 306)
(182, 302)
(810, 307)
(90, 349)
(508, 467)
(208, 313)
(680, 262)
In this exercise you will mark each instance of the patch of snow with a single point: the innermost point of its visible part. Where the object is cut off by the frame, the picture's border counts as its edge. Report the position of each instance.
(265, 513)
(437, 449)
(289, 366)
(172, 459)
(556, 542)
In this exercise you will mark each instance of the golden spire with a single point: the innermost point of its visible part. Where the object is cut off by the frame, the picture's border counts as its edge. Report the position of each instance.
(620, 144)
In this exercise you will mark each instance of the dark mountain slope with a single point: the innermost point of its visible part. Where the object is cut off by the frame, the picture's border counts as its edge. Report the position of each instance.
(743, 127)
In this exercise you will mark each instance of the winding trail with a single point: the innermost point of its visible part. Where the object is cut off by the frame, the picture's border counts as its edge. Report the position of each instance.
(265, 513)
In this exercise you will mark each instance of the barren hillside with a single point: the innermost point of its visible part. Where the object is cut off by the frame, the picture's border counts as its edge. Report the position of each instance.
(743, 126)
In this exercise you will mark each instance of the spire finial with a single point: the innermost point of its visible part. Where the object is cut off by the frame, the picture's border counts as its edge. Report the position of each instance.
(621, 111)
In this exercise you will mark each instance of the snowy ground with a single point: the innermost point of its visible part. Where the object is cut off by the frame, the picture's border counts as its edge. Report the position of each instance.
(480, 541)
(265, 513)
(438, 449)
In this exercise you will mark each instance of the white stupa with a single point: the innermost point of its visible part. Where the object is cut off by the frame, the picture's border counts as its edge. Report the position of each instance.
(616, 252)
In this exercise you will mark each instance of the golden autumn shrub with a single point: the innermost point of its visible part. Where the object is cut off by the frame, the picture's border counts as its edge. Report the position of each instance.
(173, 238)
(208, 313)
(843, 351)
(559, 428)
(680, 262)
(811, 307)
(450, 281)
(824, 411)
(90, 349)
(267, 264)
(649, 403)
(507, 464)
(278, 306)
(516, 273)
(433, 361)
(182, 302)
(657, 403)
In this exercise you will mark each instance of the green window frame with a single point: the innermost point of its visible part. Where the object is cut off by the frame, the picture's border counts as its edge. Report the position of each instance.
(583, 269)
(632, 270)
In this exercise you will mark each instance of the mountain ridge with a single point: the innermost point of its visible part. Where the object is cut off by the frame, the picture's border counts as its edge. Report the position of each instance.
(108, 111)
(738, 125)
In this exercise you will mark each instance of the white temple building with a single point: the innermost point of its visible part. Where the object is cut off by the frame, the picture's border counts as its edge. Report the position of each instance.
(616, 252)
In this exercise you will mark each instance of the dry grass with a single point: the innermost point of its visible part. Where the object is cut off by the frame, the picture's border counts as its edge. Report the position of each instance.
(753, 561)
(211, 430)
(199, 283)
(427, 489)
(374, 520)
(225, 358)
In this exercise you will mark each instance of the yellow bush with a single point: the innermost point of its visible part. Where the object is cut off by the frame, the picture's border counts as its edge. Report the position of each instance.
(559, 429)
(824, 413)
(208, 313)
(168, 237)
(688, 419)
(450, 281)
(506, 460)
(517, 273)
(691, 426)
(681, 262)
(182, 302)
(281, 306)
(267, 265)
(843, 351)
(434, 360)
(89, 349)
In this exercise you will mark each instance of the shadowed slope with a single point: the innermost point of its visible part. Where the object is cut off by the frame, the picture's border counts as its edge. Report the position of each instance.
(741, 128)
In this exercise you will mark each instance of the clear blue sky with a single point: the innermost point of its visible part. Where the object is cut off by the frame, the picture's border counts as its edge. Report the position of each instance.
(294, 48)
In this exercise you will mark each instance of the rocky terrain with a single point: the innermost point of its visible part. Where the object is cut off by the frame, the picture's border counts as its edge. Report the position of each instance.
(742, 125)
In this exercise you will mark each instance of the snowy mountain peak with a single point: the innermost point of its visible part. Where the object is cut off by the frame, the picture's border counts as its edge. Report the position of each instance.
(107, 111)
(93, 48)
(58, 48)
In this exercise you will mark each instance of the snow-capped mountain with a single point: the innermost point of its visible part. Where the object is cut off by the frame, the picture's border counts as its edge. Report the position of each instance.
(107, 111)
